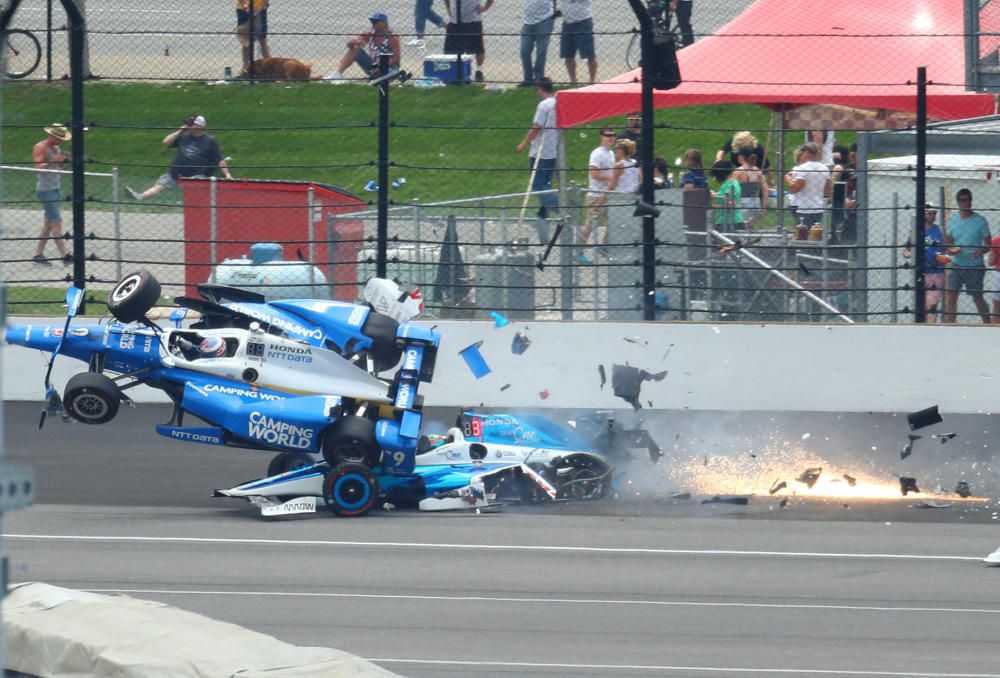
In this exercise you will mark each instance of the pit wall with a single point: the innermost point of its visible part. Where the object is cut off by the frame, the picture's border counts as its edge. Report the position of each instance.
(719, 367)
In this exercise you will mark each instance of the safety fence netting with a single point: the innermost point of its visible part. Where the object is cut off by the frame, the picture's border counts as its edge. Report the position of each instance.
(813, 220)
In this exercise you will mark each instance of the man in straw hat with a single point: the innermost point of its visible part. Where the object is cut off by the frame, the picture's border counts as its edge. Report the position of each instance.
(198, 155)
(49, 159)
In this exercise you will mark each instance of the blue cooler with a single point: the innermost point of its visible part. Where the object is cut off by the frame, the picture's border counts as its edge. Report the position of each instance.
(444, 67)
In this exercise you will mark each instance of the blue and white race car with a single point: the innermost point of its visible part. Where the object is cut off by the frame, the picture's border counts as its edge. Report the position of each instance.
(483, 462)
(289, 376)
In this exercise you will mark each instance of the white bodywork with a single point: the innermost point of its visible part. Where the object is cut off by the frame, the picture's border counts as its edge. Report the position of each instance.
(281, 364)
(458, 450)
(387, 298)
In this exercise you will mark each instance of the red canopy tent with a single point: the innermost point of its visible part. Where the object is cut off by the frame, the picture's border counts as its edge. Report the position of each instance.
(791, 52)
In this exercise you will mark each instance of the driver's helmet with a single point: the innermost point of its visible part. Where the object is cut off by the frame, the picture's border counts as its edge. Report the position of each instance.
(212, 347)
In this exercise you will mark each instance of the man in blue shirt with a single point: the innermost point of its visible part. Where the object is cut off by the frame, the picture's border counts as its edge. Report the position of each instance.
(968, 238)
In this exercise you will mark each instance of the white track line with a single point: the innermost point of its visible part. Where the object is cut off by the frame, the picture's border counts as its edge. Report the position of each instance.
(544, 601)
(487, 547)
(691, 669)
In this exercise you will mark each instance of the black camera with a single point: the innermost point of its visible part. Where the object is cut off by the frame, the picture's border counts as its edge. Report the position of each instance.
(189, 120)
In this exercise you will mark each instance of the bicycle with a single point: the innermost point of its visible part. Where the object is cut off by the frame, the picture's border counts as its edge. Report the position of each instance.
(22, 53)
(659, 12)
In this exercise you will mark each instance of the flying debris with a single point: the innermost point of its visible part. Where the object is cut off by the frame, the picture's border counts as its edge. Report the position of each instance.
(907, 485)
(906, 451)
(777, 486)
(924, 418)
(604, 375)
(810, 476)
(851, 480)
(783, 503)
(945, 437)
(520, 343)
(738, 501)
(962, 489)
(627, 381)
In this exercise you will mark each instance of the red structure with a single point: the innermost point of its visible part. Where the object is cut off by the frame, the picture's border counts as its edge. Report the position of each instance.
(294, 214)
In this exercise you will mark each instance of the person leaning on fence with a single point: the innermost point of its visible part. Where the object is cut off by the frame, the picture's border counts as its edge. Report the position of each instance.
(726, 201)
(967, 239)
(600, 168)
(198, 155)
(809, 183)
(542, 142)
(935, 260)
(49, 157)
(365, 50)
(464, 30)
(244, 9)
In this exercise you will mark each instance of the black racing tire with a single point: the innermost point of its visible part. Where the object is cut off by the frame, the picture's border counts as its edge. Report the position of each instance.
(92, 398)
(351, 440)
(289, 461)
(588, 478)
(133, 296)
(350, 490)
(382, 331)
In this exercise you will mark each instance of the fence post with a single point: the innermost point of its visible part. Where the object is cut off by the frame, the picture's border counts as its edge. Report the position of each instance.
(213, 221)
(311, 245)
(893, 273)
(117, 222)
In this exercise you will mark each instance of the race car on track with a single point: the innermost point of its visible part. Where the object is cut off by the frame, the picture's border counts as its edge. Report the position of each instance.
(484, 461)
(289, 376)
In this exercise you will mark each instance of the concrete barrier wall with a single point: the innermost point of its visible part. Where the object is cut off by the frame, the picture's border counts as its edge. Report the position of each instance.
(727, 367)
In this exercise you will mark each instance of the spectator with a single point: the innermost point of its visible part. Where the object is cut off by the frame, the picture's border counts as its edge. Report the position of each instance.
(740, 139)
(626, 177)
(934, 262)
(694, 176)
(661, 174)
(993, 260)
(682, 10)
(423, 12)
(726, 201)
(366, 48)
(539, 19)
(809, 183)
(578, 37)
(633, 129)
(601, 168)
(465, 30)
(542, 140)
(198, 155)
(824, 140)
(753, 187)
(258, 8)
(49, 156)
(968, 238)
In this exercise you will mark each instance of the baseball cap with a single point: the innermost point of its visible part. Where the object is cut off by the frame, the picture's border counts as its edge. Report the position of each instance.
(198, 120)
(930, 206)
(379, 16)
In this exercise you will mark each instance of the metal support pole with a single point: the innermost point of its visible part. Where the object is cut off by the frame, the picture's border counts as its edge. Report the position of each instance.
(381, 251)
(920, 265)
(311, 244)
(48, 41)
(116, 195)
(213, 221)
(78, 154)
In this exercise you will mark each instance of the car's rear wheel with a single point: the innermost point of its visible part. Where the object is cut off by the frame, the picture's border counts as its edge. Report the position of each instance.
(288, 461)
(133, 296)
(382, 330)
(350, 490)
(92, 398)
(582, 478)
(351, 440)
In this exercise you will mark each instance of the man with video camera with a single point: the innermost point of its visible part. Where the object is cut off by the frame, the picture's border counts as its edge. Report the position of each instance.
(198, 155)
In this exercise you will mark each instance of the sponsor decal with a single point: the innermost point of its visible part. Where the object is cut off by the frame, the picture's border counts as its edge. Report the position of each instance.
(147, 345)
(404, 395)
(297, 505)
(478, 494)
(80, 332)
(192, 437)
(127, 341)
(292, 354)
(410, 359)
(357, 315)
(454, 454)
(280, 433)
(277, 321)
(330, 403)
(57, 332)
(242, 392)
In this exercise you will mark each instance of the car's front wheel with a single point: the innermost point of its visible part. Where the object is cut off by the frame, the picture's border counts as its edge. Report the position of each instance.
(350, 490)
(351, 440)
(288, 461)
(92, 398)
(133, 296)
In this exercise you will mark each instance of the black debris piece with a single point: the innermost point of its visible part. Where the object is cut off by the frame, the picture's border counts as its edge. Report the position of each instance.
(604, 375)
(705, 462)
(906, 451)
(783, 503)
(738, 501)
(627, 380)
(520, 343)
(805, 269)
(913, 436)
(681, 495)
(945, 437)
(650, 403)
(924, 418)
(907, 485)
(505, 387)
(851, 480)
(810, 476)
(636, 340)
(777, 486)
(962, 489)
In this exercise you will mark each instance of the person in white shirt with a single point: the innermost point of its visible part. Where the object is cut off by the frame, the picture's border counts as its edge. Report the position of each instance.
(536, 30)
(809, 183)
(601, 168)
(578, 37)
(543, 141)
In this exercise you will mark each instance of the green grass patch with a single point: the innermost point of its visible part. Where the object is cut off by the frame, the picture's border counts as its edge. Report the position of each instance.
(449, 143)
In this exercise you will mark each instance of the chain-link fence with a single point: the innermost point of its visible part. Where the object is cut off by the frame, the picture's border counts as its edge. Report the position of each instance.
(829, 242)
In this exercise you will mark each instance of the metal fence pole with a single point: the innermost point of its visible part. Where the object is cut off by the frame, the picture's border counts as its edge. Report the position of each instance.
(893, 272)
(213, 221)
(117, 222)
(311, 244)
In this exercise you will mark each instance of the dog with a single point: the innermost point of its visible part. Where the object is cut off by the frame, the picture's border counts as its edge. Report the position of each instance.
(280, 68)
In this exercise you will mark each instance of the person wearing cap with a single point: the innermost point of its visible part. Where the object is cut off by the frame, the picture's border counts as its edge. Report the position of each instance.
(809, 183)
(935, 260)
(365, 50)
(49, 157)
(633, 130)
(464, 30)
(198, 155)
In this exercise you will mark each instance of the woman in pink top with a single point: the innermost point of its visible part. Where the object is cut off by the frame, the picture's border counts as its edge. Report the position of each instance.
(993, 276)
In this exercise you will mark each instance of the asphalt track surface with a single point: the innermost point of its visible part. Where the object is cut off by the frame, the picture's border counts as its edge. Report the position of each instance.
(647, 588)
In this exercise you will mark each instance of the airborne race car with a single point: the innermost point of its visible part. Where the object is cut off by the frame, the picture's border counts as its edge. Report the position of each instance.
(481, 463)
(289, 376)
